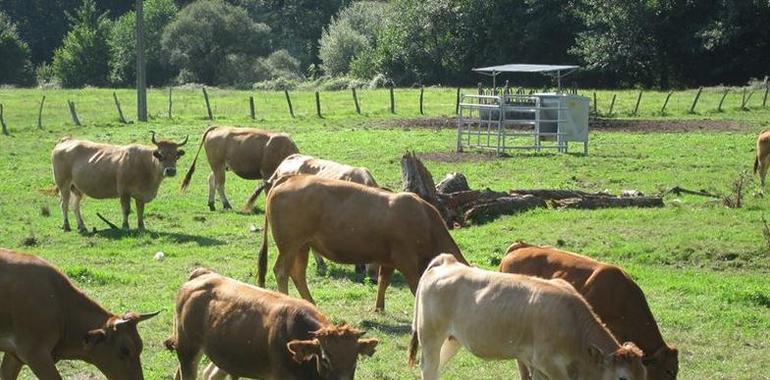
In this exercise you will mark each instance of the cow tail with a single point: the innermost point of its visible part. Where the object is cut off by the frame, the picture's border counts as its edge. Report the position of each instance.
(262, 261)
(756, 163)
(188, 176)
(414, 343)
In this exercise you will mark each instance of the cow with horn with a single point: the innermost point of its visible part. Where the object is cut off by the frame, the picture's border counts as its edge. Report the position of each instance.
(102, 171)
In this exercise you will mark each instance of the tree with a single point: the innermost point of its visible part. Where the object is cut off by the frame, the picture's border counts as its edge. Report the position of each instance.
(122, 44)
(207, 32)
(82, 58)
(351, 33)
(15, 67)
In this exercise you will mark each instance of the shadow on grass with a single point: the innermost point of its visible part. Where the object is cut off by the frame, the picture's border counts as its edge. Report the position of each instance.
(401, 327)
(347, 272)
(114, 234)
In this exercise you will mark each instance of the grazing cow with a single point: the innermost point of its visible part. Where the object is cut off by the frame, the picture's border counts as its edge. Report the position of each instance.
(544, 323)
(103, 171)
(250, 332)
(250, 153)
(303, 164)
(44, 318)
(350, 224)
(612, 294)
(762, 159)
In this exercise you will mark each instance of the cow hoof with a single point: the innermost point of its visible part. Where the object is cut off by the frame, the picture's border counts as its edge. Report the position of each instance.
(211, 206)
(82, 229)
(379, 309)
(226, 206)
(66, 228)
(126, 227)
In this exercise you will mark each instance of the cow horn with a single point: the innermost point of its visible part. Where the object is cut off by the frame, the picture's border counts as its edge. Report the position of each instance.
(153, 138)
(183, 142)
(144, 317)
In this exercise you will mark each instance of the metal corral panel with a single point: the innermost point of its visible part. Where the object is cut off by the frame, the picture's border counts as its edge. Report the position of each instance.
(574, 122)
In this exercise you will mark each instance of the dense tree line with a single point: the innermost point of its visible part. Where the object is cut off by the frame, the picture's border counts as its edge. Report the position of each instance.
(282, 43)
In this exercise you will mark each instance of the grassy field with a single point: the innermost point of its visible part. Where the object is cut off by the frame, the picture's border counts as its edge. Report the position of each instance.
(704, 268)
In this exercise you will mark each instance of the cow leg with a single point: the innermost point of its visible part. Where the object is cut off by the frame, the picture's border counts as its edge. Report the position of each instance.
(320, 264)
(125, 205)
(448, 350)
(42, 365)
(386, 273)
(140, 215)
(77, 197)
(11, 367)
(299, 275)
(212, 191)
(189, 358)
(431, 354)
(64, 191)
(219, 179)
(253, 198)
(763, 166)
(212, 372)
(524, 371)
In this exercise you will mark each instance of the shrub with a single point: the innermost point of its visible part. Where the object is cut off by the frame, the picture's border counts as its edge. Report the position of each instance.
(15, 67)
(82, 58)
(278, 84)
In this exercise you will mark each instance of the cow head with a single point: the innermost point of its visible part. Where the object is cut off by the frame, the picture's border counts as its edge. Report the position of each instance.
(663, 364)
(335, 349)
(623, 364)
(167, 152)
(116, 347)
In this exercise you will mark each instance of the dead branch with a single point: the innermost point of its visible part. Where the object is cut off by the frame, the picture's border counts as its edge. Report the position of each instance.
(112, 225)
(591, 203)
(679, 190)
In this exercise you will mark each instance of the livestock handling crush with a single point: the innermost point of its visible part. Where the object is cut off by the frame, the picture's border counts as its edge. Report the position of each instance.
(503, 119)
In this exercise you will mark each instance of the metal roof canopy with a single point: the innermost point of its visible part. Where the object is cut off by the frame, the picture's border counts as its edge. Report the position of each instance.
(550, 70)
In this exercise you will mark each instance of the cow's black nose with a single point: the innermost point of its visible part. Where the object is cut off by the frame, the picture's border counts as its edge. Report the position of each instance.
(169, 172)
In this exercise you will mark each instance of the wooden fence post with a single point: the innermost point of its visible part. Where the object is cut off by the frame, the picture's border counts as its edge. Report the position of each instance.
(117, 105)
(208, 105)
(764, 101)
(612, 104)
(596, 107)
(2, 121)
(73, 113)
(252, 111)
(169, 103)
(288, 101)
(638, 100)
(422, 90)
(457, 102)
(392, 100)
(665, 103)
(746, 99)
(40, 114)
(695, 101)
(318, 104)
(724, 95)
(355, 100)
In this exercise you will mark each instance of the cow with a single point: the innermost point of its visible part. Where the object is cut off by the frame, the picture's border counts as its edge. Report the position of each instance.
(250, 332)
(762, 159)
(612, 294)
(544, 323)
(250, 153)
(45, 318)
(304, 164)
(350, 224)
(84, 168)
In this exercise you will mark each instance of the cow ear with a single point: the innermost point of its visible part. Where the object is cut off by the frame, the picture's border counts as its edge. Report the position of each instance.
(180, 153)
(303, 350)
(156, 154)
(367, 346)
(94, 337)
(596, 355)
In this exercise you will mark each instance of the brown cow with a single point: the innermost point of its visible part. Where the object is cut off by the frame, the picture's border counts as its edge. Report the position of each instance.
(44, 318)
(351, 224)
(544, 323)
(304, 164)
(614, 296)
(250, 153)
(762, 159)
(251, 332)
(103, 171)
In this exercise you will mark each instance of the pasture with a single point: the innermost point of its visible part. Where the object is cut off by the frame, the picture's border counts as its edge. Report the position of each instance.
(704, 267)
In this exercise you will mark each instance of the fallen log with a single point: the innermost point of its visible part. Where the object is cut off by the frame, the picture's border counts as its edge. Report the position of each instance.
(590, 203)
(508, 205)
(551, 194)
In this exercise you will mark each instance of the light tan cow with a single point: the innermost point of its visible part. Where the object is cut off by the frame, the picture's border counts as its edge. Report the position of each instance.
(250, 332)
(304, 164)
(103, 171)
(612, 294)
(545, 324)
(250, 153)
(351, 224)
(44, 318)
(762, 159)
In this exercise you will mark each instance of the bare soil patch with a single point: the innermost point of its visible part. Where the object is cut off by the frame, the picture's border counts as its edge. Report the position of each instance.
(458, 156)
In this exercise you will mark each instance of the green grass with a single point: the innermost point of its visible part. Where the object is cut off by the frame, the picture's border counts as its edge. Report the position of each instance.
(703, 267)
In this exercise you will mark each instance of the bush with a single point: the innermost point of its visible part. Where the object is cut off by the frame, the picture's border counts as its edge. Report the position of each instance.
(122, 44)
(278, 84)
(82, 58)
(208, 33)
(15, 67)
(45, 76)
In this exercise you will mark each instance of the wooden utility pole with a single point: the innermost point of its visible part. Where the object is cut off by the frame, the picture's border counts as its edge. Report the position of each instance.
(141, 73)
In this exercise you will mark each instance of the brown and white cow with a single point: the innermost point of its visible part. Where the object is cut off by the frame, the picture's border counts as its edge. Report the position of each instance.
(44, 318)
(762, 159)
(304, 164)
(250, 332)
(103, 171)
(351, 224)
(612, 294)
(250, 153)
(545, 324)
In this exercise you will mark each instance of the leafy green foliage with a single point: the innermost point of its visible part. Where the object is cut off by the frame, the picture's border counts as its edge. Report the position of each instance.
(351, 33)
(122, 43)
(207, 34)
(83, 57)
(15, 67)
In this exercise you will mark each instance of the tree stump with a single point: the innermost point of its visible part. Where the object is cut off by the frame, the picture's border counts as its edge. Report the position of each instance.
(417, 179)
(452, 183)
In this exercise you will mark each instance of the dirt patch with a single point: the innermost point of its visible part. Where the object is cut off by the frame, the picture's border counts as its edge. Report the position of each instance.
(457, 156)
(671, 126)
(434, 123)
